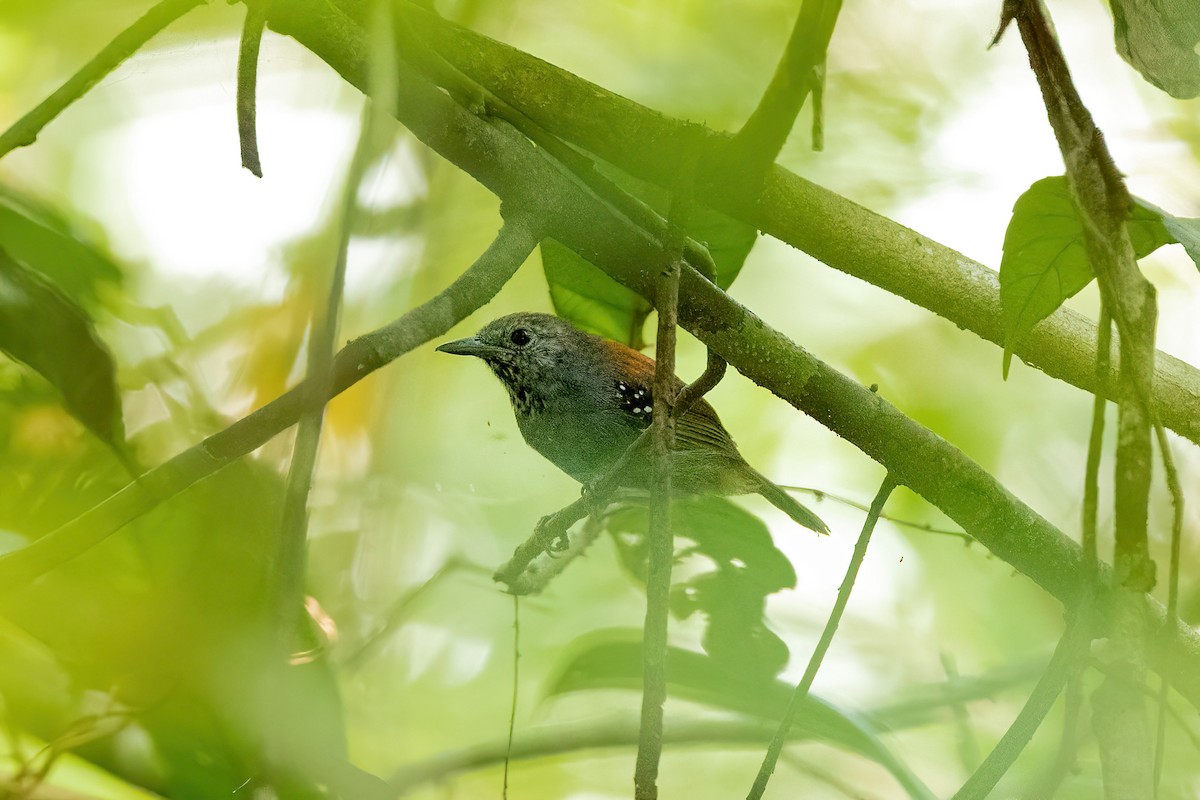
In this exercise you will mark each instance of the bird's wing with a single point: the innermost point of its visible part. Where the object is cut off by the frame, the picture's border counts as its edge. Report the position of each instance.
(699, 429)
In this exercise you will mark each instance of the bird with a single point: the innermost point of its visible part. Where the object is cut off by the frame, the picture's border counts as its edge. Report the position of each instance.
(580, 400)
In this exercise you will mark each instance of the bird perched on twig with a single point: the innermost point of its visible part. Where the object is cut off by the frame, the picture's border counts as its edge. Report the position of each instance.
(581, 400)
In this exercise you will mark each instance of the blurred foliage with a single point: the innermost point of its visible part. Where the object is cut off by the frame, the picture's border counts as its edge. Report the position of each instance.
(149, 660)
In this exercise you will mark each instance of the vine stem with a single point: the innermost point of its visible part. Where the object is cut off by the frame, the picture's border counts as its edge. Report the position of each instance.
(831, 625)
(247, 83)
(1071, 646)
(660, 541)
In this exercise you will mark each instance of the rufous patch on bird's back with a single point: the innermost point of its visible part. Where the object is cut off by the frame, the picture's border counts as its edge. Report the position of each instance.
(630, 363)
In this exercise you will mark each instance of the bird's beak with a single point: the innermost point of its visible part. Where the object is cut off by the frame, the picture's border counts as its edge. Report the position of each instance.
(471, 346)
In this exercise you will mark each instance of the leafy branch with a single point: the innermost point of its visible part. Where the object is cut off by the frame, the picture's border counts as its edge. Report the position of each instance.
(526, 179)
(832, 229)
(524, 175)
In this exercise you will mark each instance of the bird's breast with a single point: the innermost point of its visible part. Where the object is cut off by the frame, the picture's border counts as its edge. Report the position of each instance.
(582, 444)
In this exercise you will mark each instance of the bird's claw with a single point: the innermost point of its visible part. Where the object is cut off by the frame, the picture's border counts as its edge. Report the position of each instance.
(559, 542)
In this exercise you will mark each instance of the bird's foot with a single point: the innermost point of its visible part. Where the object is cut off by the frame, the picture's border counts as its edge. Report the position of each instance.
(555, 541)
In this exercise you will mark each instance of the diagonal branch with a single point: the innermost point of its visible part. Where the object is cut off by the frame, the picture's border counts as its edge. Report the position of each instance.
(25, 131)
(660, 542)
(818, 654)
(521, 174)
(829, 227)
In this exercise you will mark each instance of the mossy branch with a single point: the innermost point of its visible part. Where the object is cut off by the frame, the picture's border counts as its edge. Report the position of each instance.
(834, 230)
(517, 171)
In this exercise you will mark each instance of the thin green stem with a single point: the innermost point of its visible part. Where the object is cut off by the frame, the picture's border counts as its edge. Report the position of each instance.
(1071, 647)
(516, 683)
(291, 552)
(818, 655)
(1177, 516)
(1091, 481)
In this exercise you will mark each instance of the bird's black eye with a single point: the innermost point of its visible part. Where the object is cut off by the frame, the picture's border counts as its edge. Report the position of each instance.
(519, 337)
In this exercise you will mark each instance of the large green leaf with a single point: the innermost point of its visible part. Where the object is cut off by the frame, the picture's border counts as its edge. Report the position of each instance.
(1045, 261)
(612, 659)
(45, 330)
(588, 297)
(1159, 38)
(747, 566)
(45, 241)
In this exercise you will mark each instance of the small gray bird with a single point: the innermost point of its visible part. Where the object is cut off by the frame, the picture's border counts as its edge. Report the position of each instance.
(581, 400)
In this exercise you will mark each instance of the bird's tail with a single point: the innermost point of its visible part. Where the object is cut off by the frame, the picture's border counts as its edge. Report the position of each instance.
(790, 506)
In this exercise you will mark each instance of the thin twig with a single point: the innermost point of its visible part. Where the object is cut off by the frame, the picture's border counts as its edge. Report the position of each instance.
(1091, 481)
(1073, 702)
(660, 542)
(1164, 447)
(516, 683)
(818, 655)
(537, 575)
(1068, 744)
(821, 494)
(290, 553)
(25, 131)
(291, 550)
(247, 83)
(1071, 646)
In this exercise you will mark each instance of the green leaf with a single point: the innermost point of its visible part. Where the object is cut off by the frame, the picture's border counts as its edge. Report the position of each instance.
(587, 296)
(732, 596)
(1182, 230)
(45, 330)
(45, 241)
(1159, 39)
(1045, 261)
(612, 659)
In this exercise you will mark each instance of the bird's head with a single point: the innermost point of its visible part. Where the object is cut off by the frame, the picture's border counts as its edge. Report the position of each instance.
(536, 356)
